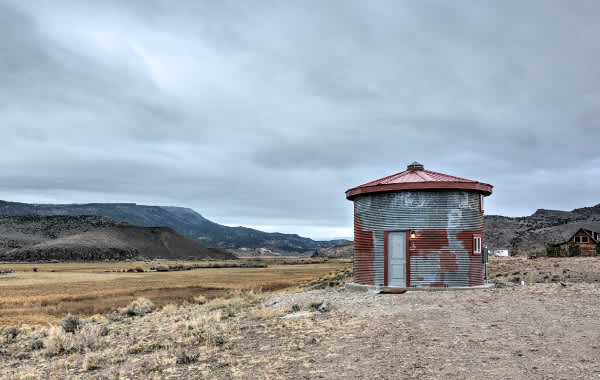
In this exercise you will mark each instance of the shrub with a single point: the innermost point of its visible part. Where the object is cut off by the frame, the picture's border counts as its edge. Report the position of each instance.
(162, 268)
(71, 323)
(91, 363)
(34, 269)
(10, 333)
(144, 347)
(29, 376)
(263, 313)
(296, 308)
(314, 306)
(169, 309)
(574, 250)
(183, 356)
(89, 337)
(598, 250)
(140, 306)
(200, 300)
(58, 341)
(139, 269)
(36, 344)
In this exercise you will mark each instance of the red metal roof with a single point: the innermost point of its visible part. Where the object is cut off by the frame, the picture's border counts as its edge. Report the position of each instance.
(417, 178)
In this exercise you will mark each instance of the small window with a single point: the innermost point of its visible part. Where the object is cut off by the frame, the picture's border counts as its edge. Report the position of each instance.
(481, 202)
(477, 244)
(581, 239)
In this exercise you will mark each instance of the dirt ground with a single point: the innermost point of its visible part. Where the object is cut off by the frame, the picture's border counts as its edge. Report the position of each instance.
(540, 331)
(544, 269)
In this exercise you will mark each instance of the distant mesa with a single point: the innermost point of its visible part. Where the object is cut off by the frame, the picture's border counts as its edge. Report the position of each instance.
(93, 238)
(183, 220)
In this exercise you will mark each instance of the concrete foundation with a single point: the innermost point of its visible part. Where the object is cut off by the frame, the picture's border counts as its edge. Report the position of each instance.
(375, 289)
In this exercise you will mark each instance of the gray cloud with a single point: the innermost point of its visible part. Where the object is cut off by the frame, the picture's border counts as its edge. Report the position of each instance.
(263, 113)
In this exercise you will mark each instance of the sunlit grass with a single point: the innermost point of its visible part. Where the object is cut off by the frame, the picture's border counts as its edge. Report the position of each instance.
(87, 289)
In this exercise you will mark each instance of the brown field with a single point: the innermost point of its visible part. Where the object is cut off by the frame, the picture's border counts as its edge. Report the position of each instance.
(28, 297)
(538, 331)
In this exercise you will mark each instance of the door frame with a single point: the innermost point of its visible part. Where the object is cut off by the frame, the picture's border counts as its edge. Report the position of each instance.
(386, 253)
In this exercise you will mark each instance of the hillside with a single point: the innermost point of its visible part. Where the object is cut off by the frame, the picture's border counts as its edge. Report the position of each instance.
(531, 233)
(183, 220)
(29, 238)
(340, 251)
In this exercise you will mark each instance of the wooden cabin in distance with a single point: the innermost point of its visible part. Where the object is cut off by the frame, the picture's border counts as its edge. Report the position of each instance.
(587, 240)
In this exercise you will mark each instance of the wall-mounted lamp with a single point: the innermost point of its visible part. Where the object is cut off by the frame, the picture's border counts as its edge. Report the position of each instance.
(413, 234)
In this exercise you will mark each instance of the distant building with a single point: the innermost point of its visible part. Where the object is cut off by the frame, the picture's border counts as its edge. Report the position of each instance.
(587, 240)
(501, 252)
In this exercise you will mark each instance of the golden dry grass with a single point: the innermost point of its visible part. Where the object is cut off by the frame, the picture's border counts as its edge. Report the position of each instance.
(85, 289)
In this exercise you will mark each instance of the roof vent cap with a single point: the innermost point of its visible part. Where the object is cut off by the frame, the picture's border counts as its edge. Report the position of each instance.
(415, 166)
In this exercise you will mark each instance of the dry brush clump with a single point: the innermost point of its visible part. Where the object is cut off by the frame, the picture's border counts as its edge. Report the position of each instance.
(140, 306)
(190, 334)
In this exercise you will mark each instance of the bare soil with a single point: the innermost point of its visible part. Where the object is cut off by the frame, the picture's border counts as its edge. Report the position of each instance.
(541, 331)
(544, 270)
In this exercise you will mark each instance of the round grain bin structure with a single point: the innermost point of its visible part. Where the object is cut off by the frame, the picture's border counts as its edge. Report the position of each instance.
(419, 228)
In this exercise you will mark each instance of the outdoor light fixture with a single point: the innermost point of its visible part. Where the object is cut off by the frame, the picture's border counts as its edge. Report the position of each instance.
(413, 234)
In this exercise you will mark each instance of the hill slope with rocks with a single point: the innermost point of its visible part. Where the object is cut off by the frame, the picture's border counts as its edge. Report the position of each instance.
(183, 220)
(340, 251)
(33, 238)
(531, 233)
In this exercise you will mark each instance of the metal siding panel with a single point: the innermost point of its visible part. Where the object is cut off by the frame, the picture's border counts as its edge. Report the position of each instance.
(441, 254)
(379, 263)
(364, 254)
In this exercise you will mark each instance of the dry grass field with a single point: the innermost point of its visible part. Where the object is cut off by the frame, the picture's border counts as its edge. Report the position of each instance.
(28, 297)
(539, 332)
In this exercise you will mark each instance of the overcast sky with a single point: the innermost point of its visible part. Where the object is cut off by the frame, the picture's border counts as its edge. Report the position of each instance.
(263, 113)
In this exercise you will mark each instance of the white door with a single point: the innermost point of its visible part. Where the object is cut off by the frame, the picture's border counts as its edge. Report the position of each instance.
(397, 259)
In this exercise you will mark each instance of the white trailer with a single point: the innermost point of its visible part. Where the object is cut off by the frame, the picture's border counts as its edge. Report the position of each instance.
(501, 252)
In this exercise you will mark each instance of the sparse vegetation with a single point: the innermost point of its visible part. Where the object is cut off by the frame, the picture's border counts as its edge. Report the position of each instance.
(170, 308)
(87, 289)
(71, 323)
(195, 340)
(545, 270)
(140, 306)
(333, 279)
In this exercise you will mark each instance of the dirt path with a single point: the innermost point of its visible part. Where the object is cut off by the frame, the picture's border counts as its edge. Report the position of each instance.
(532, 332)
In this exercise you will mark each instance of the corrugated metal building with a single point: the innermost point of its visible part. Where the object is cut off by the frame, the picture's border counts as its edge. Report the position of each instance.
(419, 228)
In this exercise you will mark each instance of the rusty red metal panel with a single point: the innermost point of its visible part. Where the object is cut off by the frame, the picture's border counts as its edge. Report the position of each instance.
(364, 254)
(418, 179)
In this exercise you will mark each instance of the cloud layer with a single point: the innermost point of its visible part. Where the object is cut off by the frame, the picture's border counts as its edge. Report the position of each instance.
(264, 113)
